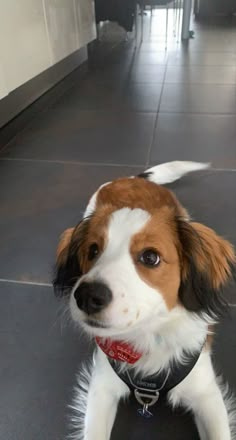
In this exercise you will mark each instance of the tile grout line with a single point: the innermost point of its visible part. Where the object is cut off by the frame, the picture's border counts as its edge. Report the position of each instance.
(70, 162)
(98, 164)
(188, 83)
(25, 283)
(189, 112)
(197, 113)
(157, 115)
(223, 169)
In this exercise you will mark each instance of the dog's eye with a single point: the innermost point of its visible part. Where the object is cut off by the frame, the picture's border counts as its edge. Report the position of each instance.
(150, 258)
(93, 251)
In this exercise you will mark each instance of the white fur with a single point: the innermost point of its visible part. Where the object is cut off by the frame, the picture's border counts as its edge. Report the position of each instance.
(171, 171)
(95, 404)
(92, 202)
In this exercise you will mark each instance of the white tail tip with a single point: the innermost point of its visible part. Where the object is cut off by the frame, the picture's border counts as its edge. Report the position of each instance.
(171, 171)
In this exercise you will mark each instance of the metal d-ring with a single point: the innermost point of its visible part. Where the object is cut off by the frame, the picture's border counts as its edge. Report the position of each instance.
(146, 399)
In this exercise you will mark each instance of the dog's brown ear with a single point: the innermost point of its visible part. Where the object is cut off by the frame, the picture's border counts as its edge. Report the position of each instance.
(63, 245)
(207, 262)
(67, 269)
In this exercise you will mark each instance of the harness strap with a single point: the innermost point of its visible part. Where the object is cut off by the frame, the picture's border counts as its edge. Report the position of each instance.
(170, 377)
(147, 390)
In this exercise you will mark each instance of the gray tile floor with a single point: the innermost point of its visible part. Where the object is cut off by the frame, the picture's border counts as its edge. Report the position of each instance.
(132, 109)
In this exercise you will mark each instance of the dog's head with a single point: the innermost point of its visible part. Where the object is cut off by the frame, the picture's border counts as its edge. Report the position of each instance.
(136, 257)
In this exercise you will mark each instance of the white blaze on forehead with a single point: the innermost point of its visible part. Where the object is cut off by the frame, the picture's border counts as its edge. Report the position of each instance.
(123, 224)
(133, 300)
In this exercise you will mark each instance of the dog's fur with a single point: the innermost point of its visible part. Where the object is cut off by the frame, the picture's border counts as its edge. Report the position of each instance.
(163, 311)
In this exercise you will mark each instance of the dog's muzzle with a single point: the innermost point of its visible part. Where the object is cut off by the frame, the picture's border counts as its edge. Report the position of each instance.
(92, 297)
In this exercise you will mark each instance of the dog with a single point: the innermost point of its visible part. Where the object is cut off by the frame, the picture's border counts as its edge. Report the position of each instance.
(146, 283)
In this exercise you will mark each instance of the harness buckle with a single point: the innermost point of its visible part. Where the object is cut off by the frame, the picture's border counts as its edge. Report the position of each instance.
(146, 399)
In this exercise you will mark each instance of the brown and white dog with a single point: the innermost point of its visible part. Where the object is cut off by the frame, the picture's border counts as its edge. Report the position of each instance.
(143, 278)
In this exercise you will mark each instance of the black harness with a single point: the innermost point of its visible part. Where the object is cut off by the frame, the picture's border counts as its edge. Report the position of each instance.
(148, 390)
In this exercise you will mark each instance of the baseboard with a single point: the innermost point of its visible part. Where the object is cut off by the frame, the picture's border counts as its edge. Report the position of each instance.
(32, 96)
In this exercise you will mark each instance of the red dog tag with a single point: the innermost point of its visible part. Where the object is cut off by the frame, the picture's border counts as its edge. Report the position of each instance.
(118, 350)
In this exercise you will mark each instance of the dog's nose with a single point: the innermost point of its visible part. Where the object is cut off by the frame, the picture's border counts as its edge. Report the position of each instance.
(92, 297)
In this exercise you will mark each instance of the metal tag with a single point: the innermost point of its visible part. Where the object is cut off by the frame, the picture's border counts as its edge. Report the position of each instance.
(144, 412)
(146, 399)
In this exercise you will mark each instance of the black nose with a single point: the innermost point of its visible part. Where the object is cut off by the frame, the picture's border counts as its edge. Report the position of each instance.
(92, 297)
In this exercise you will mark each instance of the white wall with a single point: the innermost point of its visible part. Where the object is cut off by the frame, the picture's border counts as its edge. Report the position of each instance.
(3, 87)
(36, 34)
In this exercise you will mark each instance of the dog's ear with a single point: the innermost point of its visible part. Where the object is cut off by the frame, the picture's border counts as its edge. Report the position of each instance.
(67, 269)
(207, 262)
(63, 245)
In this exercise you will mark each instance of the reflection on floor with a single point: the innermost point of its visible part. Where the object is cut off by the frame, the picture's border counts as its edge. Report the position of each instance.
(134, 107)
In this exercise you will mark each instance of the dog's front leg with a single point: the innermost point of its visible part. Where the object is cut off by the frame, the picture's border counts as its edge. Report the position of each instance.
(201, 394)
(104, 393)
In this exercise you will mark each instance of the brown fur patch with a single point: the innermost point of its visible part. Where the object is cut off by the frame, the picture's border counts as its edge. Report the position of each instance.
(159, 234)
(64, 242)
(132, 193)
(138, 193)
(96, 233)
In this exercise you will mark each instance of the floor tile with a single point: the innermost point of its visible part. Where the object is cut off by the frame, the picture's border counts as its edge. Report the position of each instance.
(207, 138)
(199, 98)
(92, 136)
(212, 40)
(148, 73)
(128, 53)
(207, 196)
(133, 96)
(113, 72)
(87, 95)
(152, 57)
(39, 201)
(202, 58)
(201, 74)
(213, 45)
(133, 71)
(43, 357)
(155, 45)
(142, 97)
(110, 96)
(123, 53)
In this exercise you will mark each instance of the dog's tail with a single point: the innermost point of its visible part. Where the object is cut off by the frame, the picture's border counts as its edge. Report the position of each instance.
(170, 171)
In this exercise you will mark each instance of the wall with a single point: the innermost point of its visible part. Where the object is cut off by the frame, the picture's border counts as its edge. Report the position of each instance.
(207, 8)
(37, 34)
